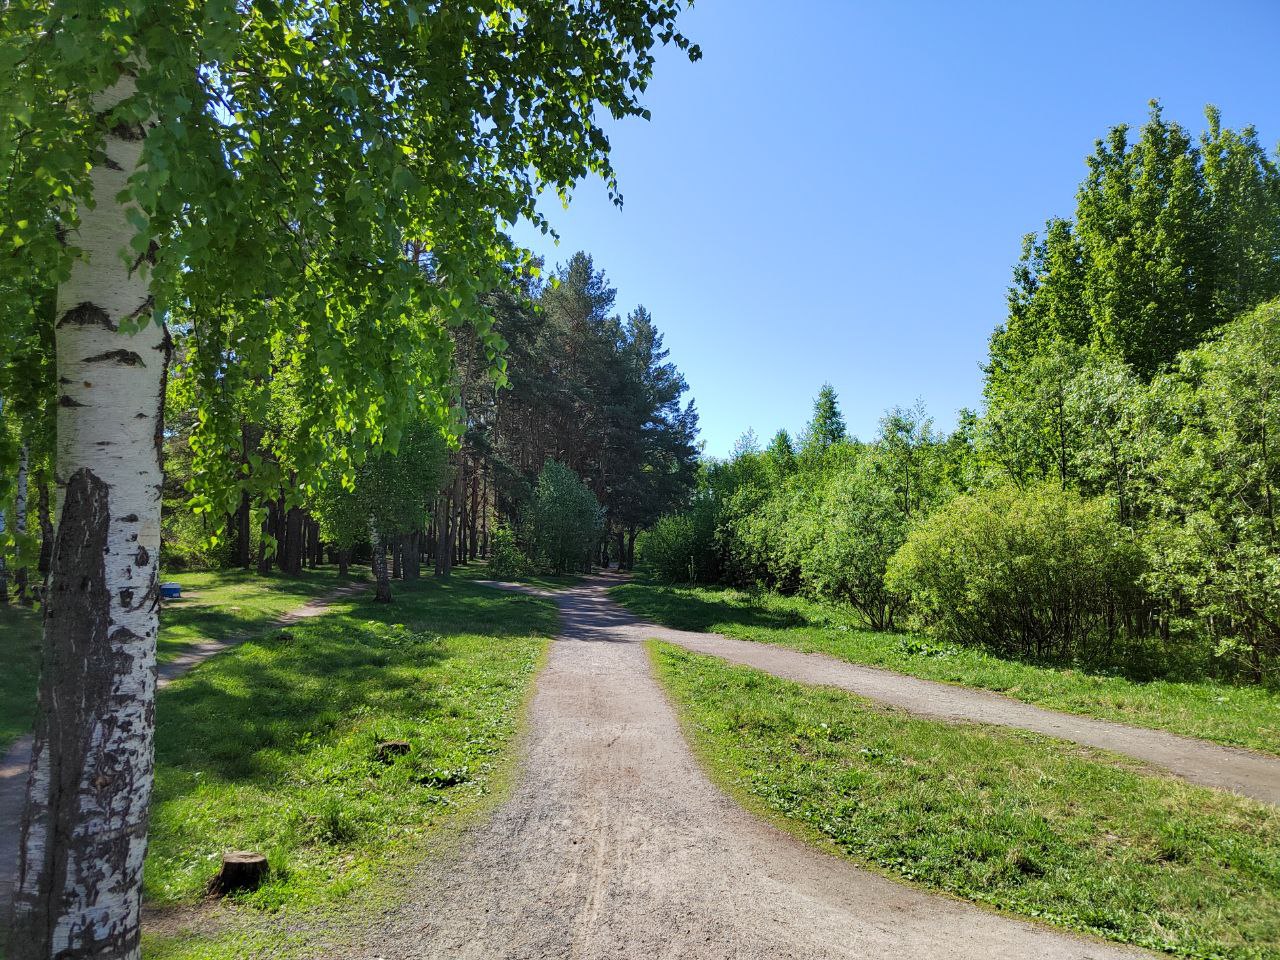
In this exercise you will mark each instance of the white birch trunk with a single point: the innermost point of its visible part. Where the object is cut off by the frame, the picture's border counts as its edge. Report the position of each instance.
(84, 831)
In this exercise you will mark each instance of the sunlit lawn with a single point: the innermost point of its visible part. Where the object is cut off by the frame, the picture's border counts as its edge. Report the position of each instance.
(272, 747)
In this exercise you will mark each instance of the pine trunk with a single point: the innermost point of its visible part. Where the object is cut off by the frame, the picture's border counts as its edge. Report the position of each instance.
(84, 830)
(243, 546)
(46, 526)
(20, 521)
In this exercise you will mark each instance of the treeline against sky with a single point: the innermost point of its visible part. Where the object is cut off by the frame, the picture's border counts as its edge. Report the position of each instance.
(1114, 504)
(591, 406)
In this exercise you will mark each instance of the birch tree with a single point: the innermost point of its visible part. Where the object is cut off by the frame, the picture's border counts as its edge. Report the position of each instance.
(254, 171)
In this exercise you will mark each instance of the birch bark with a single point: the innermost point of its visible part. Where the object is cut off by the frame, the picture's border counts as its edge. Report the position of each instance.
(84, 831)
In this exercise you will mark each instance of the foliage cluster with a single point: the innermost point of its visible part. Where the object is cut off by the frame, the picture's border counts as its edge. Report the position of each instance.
(506, 560)
(566, 520)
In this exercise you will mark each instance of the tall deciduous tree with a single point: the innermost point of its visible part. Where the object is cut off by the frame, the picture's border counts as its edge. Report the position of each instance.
(257, 170)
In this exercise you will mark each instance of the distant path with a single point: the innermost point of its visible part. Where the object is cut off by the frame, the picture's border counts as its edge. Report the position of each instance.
(614, 845)
(1252, 774)
(17, 759)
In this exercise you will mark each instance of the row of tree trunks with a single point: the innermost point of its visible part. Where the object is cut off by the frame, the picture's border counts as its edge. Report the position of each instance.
(294, 531)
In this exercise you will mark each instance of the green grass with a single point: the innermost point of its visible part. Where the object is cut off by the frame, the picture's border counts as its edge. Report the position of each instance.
(217, 605)
(223, 604)
(272, 747)
(1235, 715)
(20, 655)
(1021, 822)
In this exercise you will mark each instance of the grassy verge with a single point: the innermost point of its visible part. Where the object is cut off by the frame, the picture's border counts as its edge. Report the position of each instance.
(215, 606)
(273, 747)
(1013, 820)
(1239, 716)
(20, 655)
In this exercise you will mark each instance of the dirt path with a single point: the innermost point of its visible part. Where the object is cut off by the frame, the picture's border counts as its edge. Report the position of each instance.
(16, 760)
(615, 845)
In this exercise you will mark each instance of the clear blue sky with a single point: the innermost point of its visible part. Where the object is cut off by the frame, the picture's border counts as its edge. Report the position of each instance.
(838, 190)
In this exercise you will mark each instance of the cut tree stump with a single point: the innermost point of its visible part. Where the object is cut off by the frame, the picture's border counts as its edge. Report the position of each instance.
(241, 870)
(388, 750)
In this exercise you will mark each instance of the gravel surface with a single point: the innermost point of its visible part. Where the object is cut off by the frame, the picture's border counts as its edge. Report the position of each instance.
(615, 845)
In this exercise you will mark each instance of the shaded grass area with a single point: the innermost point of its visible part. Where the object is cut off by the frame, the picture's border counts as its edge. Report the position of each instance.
(217, 605)
(273, 747)
(547, 581)
(1018, 821)
(19, 668)
(1236, 715)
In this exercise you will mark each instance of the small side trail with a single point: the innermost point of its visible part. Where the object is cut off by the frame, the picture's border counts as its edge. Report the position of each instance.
(17, 759)
(1209, 764)
(614, 845)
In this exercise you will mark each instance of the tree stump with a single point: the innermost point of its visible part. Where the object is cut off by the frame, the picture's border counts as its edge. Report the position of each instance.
(241, 870)
(388, 750)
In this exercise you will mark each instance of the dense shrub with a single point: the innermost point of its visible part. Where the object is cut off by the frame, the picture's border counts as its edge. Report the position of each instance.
(506, 560)
(1041, 573)
(566, 520)
(859, 526)
(188, 543)
(1212, 491)
(681, 548)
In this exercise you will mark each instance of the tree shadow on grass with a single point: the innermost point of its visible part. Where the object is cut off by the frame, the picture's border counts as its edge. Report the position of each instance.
(246, 715)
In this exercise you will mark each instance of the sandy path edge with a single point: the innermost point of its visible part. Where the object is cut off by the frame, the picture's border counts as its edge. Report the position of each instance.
(17, 759)
(615, 844)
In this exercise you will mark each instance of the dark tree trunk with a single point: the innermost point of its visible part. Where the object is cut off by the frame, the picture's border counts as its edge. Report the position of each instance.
(472, 548)
(397, 558)
(244, 552)
(46, 528)
(484, 513)
(413, 555)
(291, 560)
(631, 547)
(344, 561)
(268, 533)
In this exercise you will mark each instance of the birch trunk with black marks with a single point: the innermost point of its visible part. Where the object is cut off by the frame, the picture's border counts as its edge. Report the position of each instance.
(382, 582)
(84, 830)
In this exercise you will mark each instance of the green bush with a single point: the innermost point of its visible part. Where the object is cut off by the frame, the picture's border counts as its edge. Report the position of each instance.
(1213, 493)
(506, 560)
(1040, 573)
(566, 519)
(681, 548)
(186, 543)
(860, 525)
